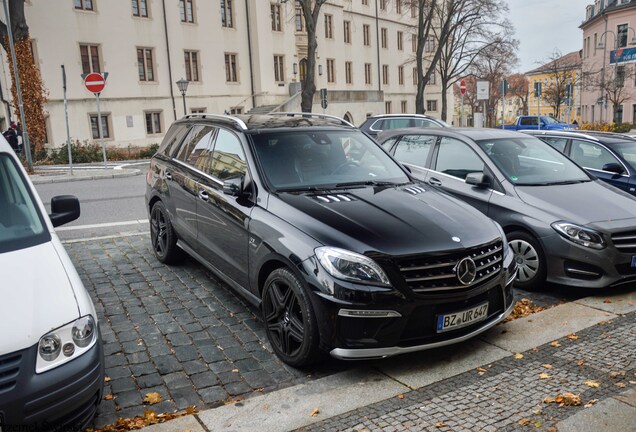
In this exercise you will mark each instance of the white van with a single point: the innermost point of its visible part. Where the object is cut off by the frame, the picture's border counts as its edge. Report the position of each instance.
(51, 357)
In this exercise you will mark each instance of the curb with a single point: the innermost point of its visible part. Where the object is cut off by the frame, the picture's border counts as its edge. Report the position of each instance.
(66, 177)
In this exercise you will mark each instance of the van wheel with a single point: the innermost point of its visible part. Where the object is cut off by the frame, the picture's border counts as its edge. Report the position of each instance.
(162, 235)
(530, 260)
(289, 319)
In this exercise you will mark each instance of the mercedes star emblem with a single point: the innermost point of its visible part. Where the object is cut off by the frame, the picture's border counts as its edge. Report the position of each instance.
(466, 271)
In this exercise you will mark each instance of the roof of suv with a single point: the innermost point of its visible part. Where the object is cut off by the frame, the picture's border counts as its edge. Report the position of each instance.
(602, 137)
(256, 122)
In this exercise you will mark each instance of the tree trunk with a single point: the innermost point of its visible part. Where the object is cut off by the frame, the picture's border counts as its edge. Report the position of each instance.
(444, 101)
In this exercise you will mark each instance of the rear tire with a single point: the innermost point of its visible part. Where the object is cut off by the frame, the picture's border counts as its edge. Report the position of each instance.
(162, 235)
(530, 260)
(289, 318)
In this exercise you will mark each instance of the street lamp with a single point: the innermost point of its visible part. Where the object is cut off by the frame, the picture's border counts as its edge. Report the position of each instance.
(183, 88)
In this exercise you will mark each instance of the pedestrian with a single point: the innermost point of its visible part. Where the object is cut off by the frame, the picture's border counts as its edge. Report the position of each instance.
(12, 137)
(575, 122)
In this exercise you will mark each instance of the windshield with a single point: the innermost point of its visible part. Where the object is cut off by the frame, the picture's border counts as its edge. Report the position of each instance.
(549, 120)
(627, 150)
(318, 159)
(532, 162)
(21, 224)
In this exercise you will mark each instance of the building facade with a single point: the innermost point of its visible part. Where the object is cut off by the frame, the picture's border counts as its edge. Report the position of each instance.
(236, 55)
(609, 54)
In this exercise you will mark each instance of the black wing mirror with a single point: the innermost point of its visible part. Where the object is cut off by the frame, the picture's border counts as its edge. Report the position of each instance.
(478, 179)
(614, 167)
(64, 209)
(233, 186)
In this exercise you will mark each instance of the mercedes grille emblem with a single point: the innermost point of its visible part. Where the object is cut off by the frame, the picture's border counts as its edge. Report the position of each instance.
(466, 271)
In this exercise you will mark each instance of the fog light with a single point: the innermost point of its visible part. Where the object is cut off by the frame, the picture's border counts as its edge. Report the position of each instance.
(68, 349)
(49, 347)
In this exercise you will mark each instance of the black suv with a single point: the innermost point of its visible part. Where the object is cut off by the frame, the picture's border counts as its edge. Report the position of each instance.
(313, 222)
(373, 125)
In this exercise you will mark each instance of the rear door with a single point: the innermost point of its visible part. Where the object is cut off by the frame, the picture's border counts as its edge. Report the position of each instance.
(593, 156)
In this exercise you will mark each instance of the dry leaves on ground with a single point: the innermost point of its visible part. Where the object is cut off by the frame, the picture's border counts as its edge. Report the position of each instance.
(109, 397)
(481, 370)
(565, 399)
(518, 356)
(152, 398)
(555, 344)
(315, 412)
(572, 336)
(592, 384)
(400, 396)
(524, 421)
(523, 308)
(544, 376)
(547, 366)
(616, 374)
(620, 385)
(149, 418)
(590, 403)
(440, 424)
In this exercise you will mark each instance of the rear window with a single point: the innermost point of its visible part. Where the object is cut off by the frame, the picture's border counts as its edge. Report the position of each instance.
(21, 223)
(172, 139)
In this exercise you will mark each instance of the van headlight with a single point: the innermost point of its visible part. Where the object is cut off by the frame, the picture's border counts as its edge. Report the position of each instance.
(66, 343)
(350, 266)
(580, 235)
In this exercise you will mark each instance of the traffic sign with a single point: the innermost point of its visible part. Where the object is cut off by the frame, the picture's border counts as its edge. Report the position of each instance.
(462, 87)
(95, 82)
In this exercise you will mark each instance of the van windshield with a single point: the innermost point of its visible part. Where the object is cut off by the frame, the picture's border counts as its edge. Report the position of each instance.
(21, 224)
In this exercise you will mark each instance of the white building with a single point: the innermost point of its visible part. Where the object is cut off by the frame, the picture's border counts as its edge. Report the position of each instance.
(236, 55)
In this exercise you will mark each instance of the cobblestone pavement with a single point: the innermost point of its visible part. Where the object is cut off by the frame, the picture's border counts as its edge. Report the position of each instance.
(508, 395)
(176, 331)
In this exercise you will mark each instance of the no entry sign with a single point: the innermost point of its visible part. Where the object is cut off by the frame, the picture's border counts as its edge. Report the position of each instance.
(95, 82)
(462, 87)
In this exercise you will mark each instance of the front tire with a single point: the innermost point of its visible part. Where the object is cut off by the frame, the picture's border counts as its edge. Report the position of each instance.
(162, 235)
(530, 260)
(289, 319)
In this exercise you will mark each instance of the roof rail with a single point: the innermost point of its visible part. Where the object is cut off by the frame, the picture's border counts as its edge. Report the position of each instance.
(308, 114)
(237, 121)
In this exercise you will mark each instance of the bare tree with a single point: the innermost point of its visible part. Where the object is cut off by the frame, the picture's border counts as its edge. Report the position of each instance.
(34, 94)
(611, 83)
(311, 16)
(470, 97)
(476, 25)
(519, 89)
(561, 71)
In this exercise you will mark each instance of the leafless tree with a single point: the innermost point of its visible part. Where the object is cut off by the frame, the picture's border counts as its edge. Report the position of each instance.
(610, 82)
(562, 71)
(311, 13)
(519, 89)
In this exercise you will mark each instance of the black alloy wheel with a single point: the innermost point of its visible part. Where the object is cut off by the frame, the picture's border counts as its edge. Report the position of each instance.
(289, 319)
(162, 235)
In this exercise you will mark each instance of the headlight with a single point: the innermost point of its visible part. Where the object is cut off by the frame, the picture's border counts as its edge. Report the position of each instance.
(72, 340)
(505, 247)
(580, 235)
(347, 265)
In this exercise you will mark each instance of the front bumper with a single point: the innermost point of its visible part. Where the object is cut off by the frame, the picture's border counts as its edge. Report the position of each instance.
(64, 398)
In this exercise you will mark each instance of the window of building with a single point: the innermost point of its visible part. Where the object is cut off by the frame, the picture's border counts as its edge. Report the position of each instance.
(145, 64)
(231, 71)
(398, 6)
(431, 105)
(413, 9)
(367, 73)
(236, 110)
(387, 107)
(620, 76)
(349, 72)
(105, 117)
(384, 37)
(595, 43)
(382, 4)
(366, 40)
(347, 31)
(140, 8)
(621, 34)
(84, 5)
(385, 74)
(90, 58)
(331, 71)
(276, 22)
(191, 65)
(401, 75)
(227, 14)
(399, 38)
(432, 79)
(198, 110)
(414, 43)
(328, 26)
(153, 122)
(279, 68)
(429, 46)
(365, 2)
(186, 10)
(404, 106)
(300, 19)
(414, 76)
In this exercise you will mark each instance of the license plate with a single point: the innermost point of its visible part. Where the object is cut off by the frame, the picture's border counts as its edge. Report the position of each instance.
(463, 318)
(634, 261)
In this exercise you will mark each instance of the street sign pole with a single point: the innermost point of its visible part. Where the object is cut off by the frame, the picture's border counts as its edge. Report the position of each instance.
(99, 128)
(95, 83)
(68, 131)
(461, 113)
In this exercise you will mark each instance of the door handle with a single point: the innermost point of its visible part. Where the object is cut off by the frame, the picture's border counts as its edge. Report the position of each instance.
(168, 175)
(204, 195)
(435, 182)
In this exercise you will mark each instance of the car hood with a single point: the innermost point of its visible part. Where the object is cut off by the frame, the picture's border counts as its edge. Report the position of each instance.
(590, 203)
(389, 220)
(37, 296)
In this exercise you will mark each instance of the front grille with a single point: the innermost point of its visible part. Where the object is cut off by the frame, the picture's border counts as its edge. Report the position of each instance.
(9, 371)
(436, 273)
(625, 241)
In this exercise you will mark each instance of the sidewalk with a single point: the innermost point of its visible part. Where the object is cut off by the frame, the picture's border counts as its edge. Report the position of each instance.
(62, 173)
(515, 377)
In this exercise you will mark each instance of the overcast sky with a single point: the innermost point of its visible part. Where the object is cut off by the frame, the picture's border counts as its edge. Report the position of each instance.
(541, 26)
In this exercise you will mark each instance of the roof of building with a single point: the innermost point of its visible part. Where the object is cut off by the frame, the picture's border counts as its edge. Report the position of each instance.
(612, 6)
(569, 61)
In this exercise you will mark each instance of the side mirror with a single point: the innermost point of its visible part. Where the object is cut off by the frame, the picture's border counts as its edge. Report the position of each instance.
(614, 167)
(64, 209)
(233, 186)
(478, 179)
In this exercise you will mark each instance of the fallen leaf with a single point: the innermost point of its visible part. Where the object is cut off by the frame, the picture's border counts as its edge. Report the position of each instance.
(152, 398)
(524, 421)
(537, 412)
(590, 403)
(580, 362)
(629, 302)
(555, 344)
(547, 366)
(565, 399)
(603, 322)
(620, 385)
(518, 356)
(315, 412)
(544, 376)
(440, 425)
(400, 396)
(481, 370)
(572, 336)
(106, 379)
(538, 424)
(616, 374)
(607, 300)
(108, 396)
(592, 384)
(235, 370)
(523, 308)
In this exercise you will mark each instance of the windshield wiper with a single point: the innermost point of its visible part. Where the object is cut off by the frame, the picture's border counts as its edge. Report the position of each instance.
(299, 189)
(365, 183)
(565, 182)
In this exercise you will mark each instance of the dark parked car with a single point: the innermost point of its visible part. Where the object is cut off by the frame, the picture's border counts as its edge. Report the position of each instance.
(375, 124)
(563, 225)
(310, 220)
(610, 157)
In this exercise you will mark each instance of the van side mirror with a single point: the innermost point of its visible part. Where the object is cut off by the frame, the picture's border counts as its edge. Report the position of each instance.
(64, 209)
(478, 179)
(614, 167)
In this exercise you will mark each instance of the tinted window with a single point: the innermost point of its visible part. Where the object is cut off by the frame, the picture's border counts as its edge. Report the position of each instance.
(590, 155)
(228, 159)
(457, 159)
(172, 139)
(414, 149)
(424, 123)
(557, 143)
(21, 224)
(195, 149)
(528, 121)
(628, 151)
